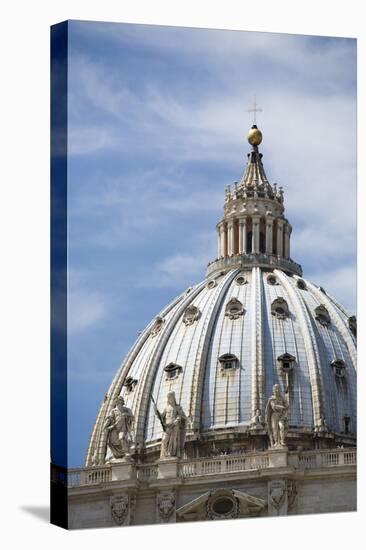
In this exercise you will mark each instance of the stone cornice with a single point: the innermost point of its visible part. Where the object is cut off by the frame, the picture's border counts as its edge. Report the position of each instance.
(243, 261)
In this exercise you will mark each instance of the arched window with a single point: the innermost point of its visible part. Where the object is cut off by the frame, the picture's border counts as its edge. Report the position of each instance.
(339, 367)
(228, 361)
(172, 371)
(130, 384)
(286, 362)
(322, 315)
(249, 242)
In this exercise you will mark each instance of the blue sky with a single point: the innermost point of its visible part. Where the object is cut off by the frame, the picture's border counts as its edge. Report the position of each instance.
(157, 128)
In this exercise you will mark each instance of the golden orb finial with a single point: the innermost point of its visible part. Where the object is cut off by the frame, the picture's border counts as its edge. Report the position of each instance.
(254, 136)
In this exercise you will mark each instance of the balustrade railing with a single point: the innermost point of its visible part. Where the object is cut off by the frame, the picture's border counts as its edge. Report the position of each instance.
(189, 468)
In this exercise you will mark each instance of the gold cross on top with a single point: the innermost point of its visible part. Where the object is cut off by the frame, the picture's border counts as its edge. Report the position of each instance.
(255, 109)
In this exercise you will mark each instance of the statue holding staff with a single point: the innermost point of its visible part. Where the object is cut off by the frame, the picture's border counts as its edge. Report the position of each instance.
(174, 424)
(276, 417)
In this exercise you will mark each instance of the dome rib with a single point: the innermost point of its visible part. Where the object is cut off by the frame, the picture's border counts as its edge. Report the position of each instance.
(257, 342)
(196, 398)
(310, 347)
(338, 321)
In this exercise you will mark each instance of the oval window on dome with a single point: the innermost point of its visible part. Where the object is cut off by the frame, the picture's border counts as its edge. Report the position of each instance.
(211, 284)
(300, 283)
(234, 308)
(272, 280)
(191, 314)
(240, 280)
(279, 308)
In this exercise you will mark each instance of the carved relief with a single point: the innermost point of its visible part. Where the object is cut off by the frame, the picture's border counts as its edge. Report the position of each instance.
(234, 309)
(191, 314)
(277, 491)
(119, 508)
(166, 504)
(291, 494)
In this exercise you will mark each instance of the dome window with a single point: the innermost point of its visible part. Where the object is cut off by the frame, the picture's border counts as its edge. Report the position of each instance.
(158, 323)
(228, 361)
(279, 308)
(352, 324)
(211, 284)
(130, 384)
(191, 314)
(322, 315)
(172, 371)
(301, 284)
(240, 280)
(347, 421)
(271, 280)
(286, 362)
(339, 367)
(234, 308)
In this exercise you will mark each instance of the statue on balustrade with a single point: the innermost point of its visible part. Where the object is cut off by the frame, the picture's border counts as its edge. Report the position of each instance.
(276, 417)
(174, 424)
(119, 428)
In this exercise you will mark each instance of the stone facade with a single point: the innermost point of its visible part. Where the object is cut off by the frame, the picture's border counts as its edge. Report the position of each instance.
(258, 485)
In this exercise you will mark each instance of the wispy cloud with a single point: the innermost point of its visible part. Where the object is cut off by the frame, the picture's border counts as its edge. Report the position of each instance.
(86, 307)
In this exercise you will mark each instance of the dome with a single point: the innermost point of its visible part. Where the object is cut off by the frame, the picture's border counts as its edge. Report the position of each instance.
(223, 344)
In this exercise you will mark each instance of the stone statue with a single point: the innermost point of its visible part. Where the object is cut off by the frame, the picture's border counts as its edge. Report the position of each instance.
(119, 426)
(257, 421)
(322, 426)
(174, 424)
(276, 417)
